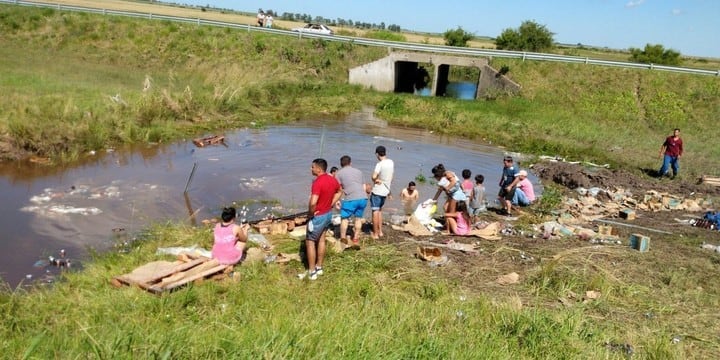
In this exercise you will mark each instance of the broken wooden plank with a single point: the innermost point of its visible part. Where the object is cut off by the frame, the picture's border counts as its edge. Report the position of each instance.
(210, 140)
(168, 287)
(633, 226)
(141, 275)
(710, 180)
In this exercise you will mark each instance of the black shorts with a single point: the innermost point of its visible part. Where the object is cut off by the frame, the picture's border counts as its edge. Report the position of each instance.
(507, 195)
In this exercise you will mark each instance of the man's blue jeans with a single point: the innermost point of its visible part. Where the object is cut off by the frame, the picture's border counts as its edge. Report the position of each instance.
(670, 161)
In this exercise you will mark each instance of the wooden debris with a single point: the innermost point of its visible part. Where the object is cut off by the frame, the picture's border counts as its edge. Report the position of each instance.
(162, 276)
(640, 242)
(210, 140)
(508, 279)
(627, 214)
(710, 180)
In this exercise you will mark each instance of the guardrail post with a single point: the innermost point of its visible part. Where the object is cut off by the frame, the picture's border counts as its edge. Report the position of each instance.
(198, 21)
(652, 66)
(587, 60)
(523, 57)
(150, 16)
(104, 12)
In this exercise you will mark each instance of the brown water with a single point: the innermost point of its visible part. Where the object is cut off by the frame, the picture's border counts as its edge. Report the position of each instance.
(115, 194)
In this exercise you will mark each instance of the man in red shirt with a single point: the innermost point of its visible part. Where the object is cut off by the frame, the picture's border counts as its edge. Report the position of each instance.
(325, 192)
(671, 150)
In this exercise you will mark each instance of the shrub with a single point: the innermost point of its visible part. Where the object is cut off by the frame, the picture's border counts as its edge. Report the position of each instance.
(457, 37)
(530, 36)
(655, 54)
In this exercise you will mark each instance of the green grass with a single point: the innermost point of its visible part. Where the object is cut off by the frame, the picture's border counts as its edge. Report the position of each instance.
(377, 303)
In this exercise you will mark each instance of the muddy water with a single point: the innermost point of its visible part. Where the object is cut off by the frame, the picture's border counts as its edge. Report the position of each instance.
(115, 194)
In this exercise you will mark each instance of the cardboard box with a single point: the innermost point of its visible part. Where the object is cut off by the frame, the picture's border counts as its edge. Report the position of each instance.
(640, 242)
(606, 230)
(627, 214)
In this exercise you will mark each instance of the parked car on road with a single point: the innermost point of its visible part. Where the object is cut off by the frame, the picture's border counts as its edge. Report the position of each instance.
(315, 29)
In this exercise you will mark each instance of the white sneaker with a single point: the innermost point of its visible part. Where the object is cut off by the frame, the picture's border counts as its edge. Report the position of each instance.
(313, 275)
(308, 274)
(319, 270)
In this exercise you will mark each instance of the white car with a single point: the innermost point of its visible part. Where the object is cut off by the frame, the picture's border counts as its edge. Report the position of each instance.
(315, 29)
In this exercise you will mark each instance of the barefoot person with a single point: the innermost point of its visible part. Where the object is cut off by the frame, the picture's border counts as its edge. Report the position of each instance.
(382, 178)
(325, 192)
(355, 198)
(230, 239)
(671, 151)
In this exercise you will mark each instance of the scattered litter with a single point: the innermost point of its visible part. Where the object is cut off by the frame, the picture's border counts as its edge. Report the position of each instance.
(711, 247)
(625, 348)
(591, 295)
(640, 242)
(432, 255)
(192, 250)
(509, 279)
(253, 183)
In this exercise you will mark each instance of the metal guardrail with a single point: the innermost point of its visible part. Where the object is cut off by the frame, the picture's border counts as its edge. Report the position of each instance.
(383, 43)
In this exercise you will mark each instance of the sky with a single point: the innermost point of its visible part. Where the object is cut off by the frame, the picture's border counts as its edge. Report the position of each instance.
(691, 27)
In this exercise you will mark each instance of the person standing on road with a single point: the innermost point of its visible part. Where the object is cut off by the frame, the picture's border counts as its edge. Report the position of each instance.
(382, 178)
(671, 151)
(355, 201)
(325, 191)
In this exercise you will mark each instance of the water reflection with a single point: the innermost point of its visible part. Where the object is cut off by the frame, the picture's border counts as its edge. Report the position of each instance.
(463, 90)
(133, 187)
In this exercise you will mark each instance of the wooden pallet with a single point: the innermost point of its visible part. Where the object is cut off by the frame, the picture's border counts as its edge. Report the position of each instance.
(710, 180)
(210, 140)
(164, 276)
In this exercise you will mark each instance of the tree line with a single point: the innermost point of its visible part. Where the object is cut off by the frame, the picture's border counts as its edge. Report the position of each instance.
(332, 22)
(533, 37)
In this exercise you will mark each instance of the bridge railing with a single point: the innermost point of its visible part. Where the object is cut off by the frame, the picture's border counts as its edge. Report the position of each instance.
(372, 42)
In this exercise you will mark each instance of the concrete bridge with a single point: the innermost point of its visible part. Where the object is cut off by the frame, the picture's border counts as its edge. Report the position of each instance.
(402, 72)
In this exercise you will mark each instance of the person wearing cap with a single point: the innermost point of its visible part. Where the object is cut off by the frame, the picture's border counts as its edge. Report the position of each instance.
(508, 180)
(524, 192)
(382, 178)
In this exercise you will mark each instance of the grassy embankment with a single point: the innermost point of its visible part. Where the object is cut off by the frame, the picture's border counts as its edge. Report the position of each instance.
(374, 303)
(67, 69)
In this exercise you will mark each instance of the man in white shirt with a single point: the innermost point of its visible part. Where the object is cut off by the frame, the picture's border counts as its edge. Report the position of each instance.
(382, 178)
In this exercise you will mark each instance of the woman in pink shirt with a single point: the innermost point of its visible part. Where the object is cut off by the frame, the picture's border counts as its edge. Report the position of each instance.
(230, 239)
(457, 222)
